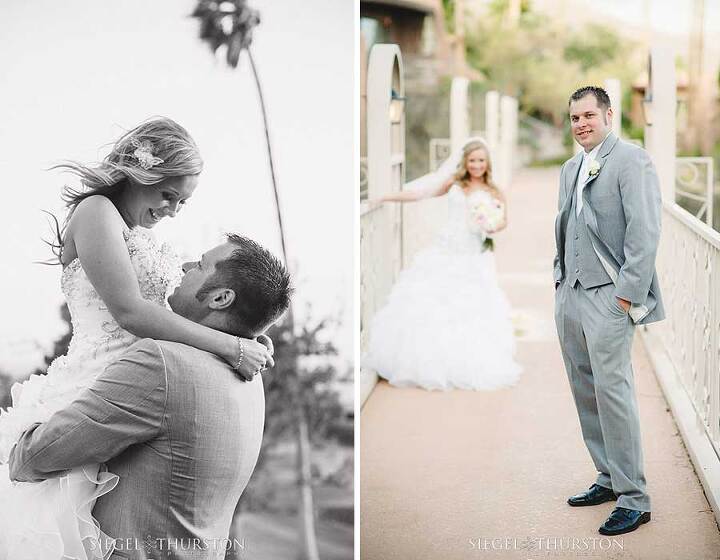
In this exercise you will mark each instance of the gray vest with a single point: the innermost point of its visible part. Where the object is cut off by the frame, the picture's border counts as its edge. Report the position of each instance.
(581, 263)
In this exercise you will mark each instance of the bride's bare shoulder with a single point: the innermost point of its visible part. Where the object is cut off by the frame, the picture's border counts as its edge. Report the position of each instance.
(94, 215)
(95, 209)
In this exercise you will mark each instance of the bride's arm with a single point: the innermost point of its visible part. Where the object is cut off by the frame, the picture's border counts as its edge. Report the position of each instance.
(97, 234)
(414, 195)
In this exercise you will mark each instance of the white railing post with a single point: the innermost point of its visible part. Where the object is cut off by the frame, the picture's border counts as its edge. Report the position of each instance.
(660, 107)
(380, 228)
(612, 87)
(691, 184)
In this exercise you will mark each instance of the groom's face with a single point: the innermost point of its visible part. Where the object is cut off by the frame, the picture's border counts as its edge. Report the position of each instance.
(184, 300)
(589, 122)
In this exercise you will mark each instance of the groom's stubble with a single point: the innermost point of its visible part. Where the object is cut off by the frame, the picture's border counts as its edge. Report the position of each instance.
(589, 121)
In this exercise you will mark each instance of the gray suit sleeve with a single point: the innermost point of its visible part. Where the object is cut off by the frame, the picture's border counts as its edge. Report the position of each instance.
(125, 405)
(642, 204)
(557, 271)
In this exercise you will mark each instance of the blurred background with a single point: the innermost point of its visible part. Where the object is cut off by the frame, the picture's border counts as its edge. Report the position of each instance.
(76, 75)
(538, 51)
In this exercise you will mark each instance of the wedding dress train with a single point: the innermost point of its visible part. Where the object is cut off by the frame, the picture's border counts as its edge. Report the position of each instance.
(446, 323)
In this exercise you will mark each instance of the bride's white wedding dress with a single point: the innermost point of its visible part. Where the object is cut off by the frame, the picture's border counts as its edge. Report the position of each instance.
(446, 323)
(52, 520)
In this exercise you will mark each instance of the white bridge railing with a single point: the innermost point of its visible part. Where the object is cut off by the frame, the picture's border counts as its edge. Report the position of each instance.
(694, 181)
(688, 267)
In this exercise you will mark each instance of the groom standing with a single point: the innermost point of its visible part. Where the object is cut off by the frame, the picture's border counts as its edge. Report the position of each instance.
(606, 233)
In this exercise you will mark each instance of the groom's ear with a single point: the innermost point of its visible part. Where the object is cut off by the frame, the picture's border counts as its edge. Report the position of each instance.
(220, 298)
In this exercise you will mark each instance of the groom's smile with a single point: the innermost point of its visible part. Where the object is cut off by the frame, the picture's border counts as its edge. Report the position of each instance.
(589, 122)
(187, 299)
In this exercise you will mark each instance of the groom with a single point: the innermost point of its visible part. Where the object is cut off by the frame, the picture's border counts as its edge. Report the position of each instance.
(176, 424)
(606, 233)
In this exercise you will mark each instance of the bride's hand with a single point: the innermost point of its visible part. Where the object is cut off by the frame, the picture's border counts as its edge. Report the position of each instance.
(374, 203)
(250, 357)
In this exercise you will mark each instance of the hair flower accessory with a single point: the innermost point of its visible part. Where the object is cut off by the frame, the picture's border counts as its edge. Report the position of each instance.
(143, 153)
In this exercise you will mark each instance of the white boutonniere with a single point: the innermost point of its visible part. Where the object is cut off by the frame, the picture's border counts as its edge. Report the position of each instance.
(594, 168)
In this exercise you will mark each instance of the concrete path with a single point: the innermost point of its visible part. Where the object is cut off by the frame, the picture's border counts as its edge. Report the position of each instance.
(465, 475)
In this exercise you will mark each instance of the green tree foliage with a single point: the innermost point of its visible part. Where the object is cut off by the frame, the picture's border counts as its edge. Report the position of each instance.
(541, 61)
(5, 383)
(311, 349)
(591, 47)
(449, 13)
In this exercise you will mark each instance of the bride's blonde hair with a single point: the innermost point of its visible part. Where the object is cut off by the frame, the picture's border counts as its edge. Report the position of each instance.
(169, 143)
(462, 175)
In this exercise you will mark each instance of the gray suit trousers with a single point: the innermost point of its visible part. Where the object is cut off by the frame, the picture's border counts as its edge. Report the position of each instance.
(596, 338)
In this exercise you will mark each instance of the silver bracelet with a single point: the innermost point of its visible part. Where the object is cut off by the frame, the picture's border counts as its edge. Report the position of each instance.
(242, 352)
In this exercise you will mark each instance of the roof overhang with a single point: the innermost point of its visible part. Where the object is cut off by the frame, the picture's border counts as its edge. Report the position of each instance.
(424, 6)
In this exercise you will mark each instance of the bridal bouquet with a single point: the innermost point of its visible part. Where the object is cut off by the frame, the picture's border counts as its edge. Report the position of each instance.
(485, 217)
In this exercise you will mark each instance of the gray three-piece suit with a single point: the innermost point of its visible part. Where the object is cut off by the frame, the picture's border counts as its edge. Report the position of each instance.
(181, 431)
(604, 252)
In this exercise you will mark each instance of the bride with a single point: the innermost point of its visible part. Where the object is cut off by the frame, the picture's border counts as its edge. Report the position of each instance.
(446, 323)
(115, 280)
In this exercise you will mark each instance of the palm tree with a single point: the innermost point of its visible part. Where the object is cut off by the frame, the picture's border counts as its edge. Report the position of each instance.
(231, 23)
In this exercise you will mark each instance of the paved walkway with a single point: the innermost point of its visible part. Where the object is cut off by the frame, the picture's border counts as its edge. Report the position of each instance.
(464, 475)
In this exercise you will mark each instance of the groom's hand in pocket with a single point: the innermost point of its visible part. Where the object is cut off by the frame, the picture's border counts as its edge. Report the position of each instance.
(625, 304)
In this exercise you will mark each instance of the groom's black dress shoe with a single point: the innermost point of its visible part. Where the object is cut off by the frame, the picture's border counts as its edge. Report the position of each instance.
(623, 520)
(594, 496)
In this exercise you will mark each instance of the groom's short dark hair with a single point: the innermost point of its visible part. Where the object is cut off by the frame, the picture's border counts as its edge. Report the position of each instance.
(261, 284)
(602, 97)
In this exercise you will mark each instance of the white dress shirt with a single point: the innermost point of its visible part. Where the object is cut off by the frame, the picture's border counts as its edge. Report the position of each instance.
(585, 171)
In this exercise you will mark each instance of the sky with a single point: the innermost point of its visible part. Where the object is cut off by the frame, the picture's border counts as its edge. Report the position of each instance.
(673, 17)
(76, 74)
(664, 17)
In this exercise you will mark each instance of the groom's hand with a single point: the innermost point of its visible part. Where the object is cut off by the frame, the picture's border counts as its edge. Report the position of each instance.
(625, 304)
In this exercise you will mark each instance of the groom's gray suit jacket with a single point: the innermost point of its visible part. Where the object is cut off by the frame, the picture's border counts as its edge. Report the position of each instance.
(181, 431)
(621, 210)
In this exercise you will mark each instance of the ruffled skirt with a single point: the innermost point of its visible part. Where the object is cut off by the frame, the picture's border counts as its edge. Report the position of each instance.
(52, 519)
(446, 324)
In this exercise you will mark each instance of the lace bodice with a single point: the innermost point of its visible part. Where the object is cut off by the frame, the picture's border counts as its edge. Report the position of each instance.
(94, 328)
(97, 339)
(458, 236)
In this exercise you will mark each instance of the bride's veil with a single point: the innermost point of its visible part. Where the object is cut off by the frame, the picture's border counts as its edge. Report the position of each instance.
(432, 181)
